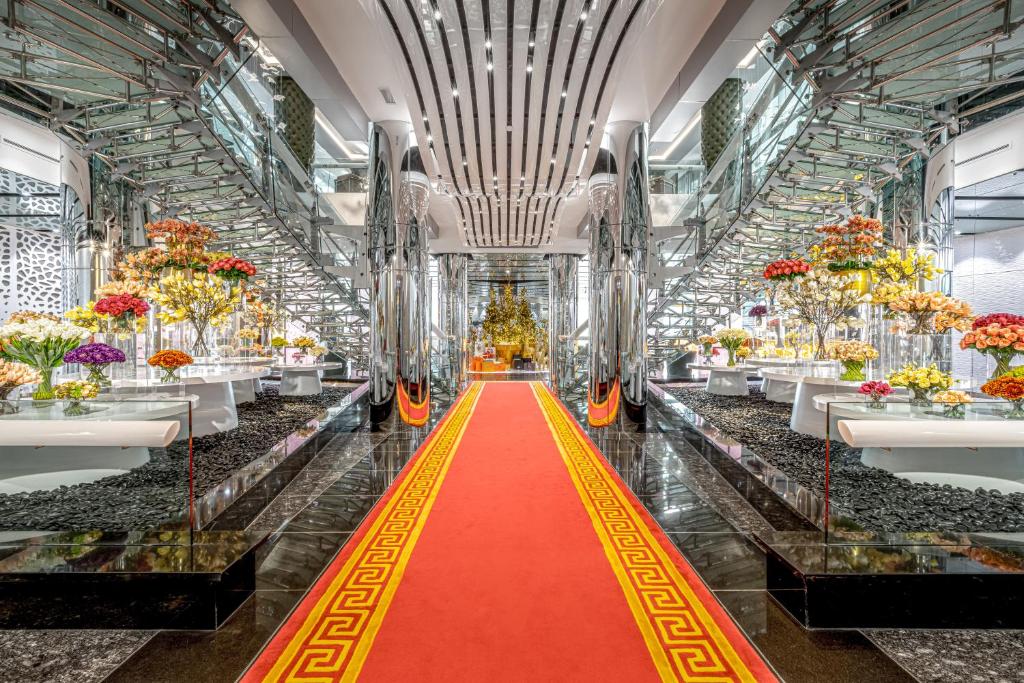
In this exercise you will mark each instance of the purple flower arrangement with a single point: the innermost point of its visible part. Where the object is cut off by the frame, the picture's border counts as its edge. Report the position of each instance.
(758, 311)
(95, 357)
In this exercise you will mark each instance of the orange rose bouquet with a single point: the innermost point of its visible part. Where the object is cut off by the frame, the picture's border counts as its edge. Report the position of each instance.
(170, 361)
(1010, 387)
(931, 312)
(1000, 335)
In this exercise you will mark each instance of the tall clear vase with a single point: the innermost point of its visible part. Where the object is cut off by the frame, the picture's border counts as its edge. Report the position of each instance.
(122, 336)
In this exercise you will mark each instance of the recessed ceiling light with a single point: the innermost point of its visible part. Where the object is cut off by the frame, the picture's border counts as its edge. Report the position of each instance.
(455, 92)
(564, 93)
(490, 66)
(437, 15)
(593, 121)
(529, 68)
(424, 118)
(465, 163)
(583, 15)
(487, 43)
(532, 43)
(552, 160)
(430, 138)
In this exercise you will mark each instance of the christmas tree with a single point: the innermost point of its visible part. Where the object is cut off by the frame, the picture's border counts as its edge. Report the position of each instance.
(508, 319)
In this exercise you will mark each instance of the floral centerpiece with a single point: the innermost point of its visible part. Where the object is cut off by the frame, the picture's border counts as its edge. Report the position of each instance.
(232, 269)
(853, 354)
(732, 338)
(821, 299)
(931, 312)
(907, 267)
(200, 300)
(758, 312)
(875, 392)
(1000, 335)
(851, 246)
(12, 376)
(95, 358)
(1010, 387)
(142, 267)
(278, 342)
(74, 392)
(184, 243)
(921, 381)
(318, 351)
(786, 269)
(122, 310)
(40, 344)
(954, 403)
(706, 342)
(28, 316)
(170, 361)
(743, 352)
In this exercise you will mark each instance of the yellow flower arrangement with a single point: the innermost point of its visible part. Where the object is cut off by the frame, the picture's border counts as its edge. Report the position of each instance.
(896, 267)
(743, 352)
(304, 343)
(884, 293)
(922, 381)
(732, 338)
(248, 334)
(200, 299)
(84, 316)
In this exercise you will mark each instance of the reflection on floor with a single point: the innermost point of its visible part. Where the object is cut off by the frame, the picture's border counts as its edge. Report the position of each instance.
(703, 513)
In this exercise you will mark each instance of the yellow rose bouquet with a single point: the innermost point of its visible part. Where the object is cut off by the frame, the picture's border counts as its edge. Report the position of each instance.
(853, 354)
(921, 381)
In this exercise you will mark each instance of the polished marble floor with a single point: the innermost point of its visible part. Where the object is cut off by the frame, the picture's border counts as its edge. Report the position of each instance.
(708, 518)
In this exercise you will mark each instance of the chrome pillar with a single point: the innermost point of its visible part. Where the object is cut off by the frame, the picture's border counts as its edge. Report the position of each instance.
(563, 270)
(451, 317)
(619, 231)
(396, 211)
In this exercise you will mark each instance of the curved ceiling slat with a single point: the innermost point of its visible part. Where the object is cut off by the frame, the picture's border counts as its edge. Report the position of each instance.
(495, 125)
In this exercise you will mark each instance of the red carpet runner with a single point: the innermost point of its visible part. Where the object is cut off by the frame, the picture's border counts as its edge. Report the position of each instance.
(508, 551)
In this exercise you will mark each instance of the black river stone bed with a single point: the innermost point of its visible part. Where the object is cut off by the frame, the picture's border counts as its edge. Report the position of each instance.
(155, 494)
(867, 497)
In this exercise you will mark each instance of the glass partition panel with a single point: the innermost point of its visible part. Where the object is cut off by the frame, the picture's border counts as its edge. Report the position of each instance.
(941, 485)
(117, 469)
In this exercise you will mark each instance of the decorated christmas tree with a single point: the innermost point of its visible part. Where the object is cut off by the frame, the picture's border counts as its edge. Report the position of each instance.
(508, 319)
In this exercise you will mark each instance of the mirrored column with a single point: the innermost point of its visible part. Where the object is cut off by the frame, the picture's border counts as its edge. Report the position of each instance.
(563, 270)
(396, 212)
(619, 231)
(452, 317)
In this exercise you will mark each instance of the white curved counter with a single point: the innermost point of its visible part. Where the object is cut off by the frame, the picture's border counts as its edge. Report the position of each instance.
(724, 380)
(303, 380)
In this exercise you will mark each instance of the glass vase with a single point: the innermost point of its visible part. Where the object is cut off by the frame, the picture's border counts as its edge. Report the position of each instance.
(73, 407)
(954, 411)
(7, 407)
(97, 374)
(169, 375)
(1002, 363)
(920, 397)
(1016, 411)
(121, 335)
(44, 389)
(732, 357)
(853, 371)
(876, 402)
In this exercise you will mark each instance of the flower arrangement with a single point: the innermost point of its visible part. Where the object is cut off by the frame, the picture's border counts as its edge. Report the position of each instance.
(28, 316)
(853, 354)
(1000, 335)
(304, 343)
(95, 358)
(122, 310)
(851, 246)
(12, 376)
(743, 352)
(707, 342)
(170, 361)
(40, 344)
(921, 381)
(142, 267)
(184, 243)
(248, 334)
(884, 293)
(759, 311)
(821, 299)
(786, 269)
(905, 267)
(200, 300)
(875, 392)
(226, 350)
(732, 338)
(930, 312)
(954, 403)
(1010, 387)
(278, 342)
(232, 269)
(139, 290)
(74, 392)
(318, 351)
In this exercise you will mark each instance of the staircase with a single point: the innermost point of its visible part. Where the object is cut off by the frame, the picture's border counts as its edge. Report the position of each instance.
(157, 92)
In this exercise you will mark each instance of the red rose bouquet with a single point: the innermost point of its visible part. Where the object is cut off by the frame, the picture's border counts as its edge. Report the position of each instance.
(122, 309)
(232, 269)
(786, 269)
